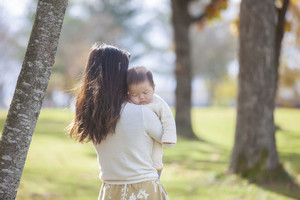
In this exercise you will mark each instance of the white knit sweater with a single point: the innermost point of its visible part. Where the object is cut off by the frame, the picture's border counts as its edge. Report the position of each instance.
(164, 113)
(125, 156)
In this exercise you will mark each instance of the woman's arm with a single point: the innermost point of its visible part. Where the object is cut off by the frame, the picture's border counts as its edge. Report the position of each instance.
(164, 113)
(152, 124)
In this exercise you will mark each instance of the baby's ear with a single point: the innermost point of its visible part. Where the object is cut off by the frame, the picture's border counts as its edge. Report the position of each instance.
(154, 87)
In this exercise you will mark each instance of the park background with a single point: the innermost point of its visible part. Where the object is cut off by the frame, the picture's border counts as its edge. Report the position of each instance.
(59, 168)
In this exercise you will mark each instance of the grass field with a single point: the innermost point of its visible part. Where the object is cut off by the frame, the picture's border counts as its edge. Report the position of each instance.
(59, 168)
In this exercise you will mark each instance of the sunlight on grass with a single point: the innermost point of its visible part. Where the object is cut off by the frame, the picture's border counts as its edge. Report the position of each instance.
(59, 168)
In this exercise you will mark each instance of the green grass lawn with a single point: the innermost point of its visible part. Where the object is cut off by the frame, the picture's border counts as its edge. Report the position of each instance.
(59, 168)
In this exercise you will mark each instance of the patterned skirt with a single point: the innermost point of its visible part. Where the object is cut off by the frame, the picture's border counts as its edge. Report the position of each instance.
(147, 190)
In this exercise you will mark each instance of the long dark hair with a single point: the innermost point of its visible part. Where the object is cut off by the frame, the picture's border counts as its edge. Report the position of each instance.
(103, 91)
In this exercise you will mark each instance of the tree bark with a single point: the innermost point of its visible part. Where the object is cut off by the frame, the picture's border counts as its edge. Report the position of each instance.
(181, 22)
(255, 143)
(29, 94)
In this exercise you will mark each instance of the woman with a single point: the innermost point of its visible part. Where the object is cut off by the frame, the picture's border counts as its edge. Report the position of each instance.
(122, 132)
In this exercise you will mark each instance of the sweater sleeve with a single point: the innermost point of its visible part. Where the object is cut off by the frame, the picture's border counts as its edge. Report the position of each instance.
(162, 109)
(152, 124)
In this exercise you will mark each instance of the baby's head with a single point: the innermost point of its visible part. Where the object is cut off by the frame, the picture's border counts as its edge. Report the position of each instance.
(140, 85)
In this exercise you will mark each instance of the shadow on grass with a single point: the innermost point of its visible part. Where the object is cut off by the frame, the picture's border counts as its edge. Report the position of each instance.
(279, 181)
(291, 160)
(201, 140)
(207, 156)
(196, 155)
(290, 134)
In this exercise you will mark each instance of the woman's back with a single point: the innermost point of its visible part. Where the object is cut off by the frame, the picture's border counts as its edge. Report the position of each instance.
(125, 156)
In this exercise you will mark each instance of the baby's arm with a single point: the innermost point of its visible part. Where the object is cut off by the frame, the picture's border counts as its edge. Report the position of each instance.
(162, 109)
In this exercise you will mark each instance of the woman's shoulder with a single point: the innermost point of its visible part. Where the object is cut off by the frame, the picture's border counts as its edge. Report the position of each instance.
(130, 105)
(132, 111)
(132, 108)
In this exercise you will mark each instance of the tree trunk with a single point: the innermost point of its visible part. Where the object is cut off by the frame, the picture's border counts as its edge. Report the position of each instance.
(29, 94)
(255, 144)
(181, 23)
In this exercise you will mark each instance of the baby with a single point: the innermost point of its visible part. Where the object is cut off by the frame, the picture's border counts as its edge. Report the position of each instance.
(141, 89)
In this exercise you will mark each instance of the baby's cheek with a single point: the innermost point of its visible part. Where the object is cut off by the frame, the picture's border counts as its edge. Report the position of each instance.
(150, 99)
(134, 100)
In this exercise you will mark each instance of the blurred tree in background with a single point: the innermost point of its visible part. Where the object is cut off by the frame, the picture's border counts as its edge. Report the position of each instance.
(106, 21)
(9, 50)
(288, 93)
(126, 23)
(182, 19)
(212, 49)
(145, 29)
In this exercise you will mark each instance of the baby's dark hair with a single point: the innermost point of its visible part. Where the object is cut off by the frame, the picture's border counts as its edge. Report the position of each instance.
(138, 75)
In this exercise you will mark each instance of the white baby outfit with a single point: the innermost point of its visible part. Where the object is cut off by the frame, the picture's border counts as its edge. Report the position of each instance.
(164, 113)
